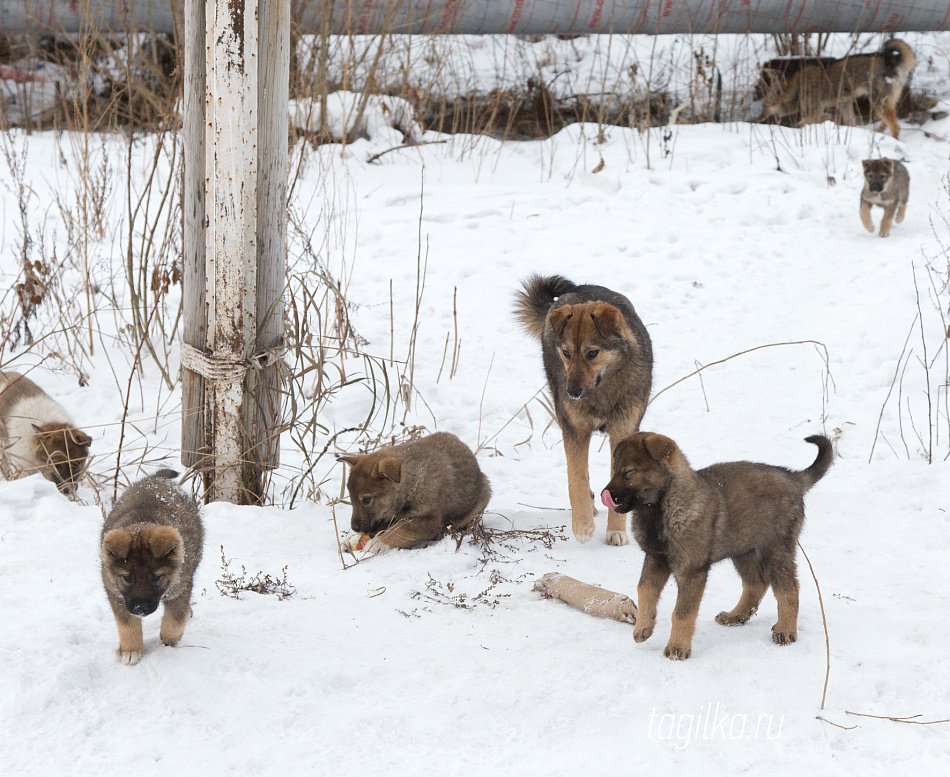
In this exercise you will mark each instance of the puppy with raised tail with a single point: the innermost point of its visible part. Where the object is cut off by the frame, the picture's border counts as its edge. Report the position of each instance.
(37, 435)
(687, 520)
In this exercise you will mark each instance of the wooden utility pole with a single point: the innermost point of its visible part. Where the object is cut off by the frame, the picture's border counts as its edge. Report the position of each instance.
(237, 68)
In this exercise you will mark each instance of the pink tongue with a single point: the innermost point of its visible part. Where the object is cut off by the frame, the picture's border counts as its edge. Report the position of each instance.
(608, 500)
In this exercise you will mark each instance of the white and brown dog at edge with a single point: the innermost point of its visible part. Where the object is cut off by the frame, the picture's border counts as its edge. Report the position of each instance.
(687, 520)
(887, 184)
(408, 495)
(598, 360)
(151, 546)
(37, 435)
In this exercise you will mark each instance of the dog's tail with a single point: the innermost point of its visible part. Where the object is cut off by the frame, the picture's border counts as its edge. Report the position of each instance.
(534, 301)
(167, 474)
(817, 470)
(899, 58)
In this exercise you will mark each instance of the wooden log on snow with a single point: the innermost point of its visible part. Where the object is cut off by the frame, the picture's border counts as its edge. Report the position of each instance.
(589, 598)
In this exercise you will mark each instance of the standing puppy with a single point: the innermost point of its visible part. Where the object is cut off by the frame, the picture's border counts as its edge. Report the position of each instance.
(37, 435)
(685, 521)
(151, 546)
(886, 183)
(405, 496)
(598, 360)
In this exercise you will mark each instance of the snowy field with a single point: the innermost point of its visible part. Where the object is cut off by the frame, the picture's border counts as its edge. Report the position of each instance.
(726, 238)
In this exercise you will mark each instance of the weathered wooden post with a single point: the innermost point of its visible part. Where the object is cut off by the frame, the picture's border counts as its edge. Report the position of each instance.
(235, 125)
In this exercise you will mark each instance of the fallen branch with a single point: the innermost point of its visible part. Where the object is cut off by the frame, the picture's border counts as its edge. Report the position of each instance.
(836, 725)
(824, 622)
(904, 719)
(589, 598)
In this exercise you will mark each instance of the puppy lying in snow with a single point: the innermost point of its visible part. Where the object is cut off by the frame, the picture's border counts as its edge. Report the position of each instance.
(405, 496)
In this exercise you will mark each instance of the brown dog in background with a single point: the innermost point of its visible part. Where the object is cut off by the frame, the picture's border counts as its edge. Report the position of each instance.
(686, 520)
(598, 360)
(887, 184)
(879, 76)
(151, 547)
(405, 496)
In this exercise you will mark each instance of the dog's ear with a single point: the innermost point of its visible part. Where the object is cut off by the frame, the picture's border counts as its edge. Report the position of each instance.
(79, 437)
(658, 446)
(165, 542)
(866, 164)
(117, 544)
(559, 318)
(389, 468)
(606, 318)
(888, 165)
(351, 459)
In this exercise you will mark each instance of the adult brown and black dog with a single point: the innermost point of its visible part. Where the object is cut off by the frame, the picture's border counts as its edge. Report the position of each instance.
(686, 520)
(598, 360)
(151, 546)
(880, 77)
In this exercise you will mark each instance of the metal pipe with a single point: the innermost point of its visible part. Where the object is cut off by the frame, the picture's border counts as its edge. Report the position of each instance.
(512, 16)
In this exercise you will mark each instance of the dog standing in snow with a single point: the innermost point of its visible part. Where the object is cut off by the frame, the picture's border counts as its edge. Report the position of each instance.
(37, 435)
(887, 184)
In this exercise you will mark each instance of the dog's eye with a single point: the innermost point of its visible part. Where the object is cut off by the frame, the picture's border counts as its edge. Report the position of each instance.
(567, 353)
(127, 578)
(367, 500)
(157, 579)
(592, 353)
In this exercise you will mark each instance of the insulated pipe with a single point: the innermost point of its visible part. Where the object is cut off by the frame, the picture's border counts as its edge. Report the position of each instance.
(512, 16)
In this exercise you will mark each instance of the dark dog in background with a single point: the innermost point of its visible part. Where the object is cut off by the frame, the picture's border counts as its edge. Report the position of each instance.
(405, 496)
(37, 435)
(887, 184)
(686, 520)
(598, 360)
(151, 547)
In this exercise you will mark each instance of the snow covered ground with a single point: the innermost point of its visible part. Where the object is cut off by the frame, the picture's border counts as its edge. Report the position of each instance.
(726, 238)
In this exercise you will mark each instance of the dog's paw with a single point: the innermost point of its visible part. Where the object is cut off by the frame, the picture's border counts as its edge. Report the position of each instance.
(783, 637)
(615, 537)
(130, 658)
(583, 533)
(677, 652)
(375, 547)
(169, 640)
(884, 234)
(728, 619)
(642, 633)
(869, 228)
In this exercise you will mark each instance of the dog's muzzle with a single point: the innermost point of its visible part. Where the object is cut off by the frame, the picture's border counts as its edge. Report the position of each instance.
(142, 607)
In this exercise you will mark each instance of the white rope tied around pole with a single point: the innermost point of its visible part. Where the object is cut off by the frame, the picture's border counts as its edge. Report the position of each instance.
(226, 366)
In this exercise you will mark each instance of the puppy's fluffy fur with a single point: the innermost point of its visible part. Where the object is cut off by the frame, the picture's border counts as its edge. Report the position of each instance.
(686, 520)
(151, 547)
(405, 496)
(37, 435)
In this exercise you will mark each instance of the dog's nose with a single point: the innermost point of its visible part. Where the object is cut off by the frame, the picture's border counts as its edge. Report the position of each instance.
(574, 392)
(142, 608)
